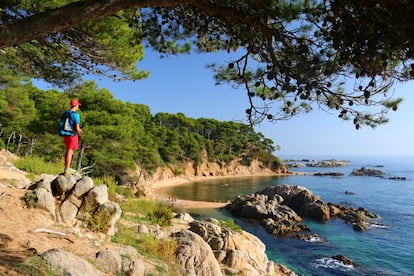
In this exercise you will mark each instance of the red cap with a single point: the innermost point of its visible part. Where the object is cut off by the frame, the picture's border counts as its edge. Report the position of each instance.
(74, 102)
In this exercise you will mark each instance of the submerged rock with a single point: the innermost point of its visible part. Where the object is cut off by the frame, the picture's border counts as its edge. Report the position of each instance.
(333, 174)
(343, 259)
(398, 178)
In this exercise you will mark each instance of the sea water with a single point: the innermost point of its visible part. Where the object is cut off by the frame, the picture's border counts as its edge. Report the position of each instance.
(383, 249)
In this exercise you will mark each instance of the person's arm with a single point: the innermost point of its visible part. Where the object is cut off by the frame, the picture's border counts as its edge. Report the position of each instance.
(77, 124)
(78, 129)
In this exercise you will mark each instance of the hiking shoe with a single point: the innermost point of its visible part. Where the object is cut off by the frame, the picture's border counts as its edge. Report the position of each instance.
(69, 171)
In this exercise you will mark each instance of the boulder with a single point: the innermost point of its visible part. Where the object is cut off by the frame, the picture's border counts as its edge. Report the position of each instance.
(317, 210)
(61, 184)
(328, 163)
(108, 261)
(238, 251)
(66, 263)
(45, 200)
(84, 185)
(194, 255)
(68, 212)
(73, 198)
(94, 198)
(44, 183)
(132, 265)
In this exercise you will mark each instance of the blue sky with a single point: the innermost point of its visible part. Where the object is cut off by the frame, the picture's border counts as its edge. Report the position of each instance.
(184, 84)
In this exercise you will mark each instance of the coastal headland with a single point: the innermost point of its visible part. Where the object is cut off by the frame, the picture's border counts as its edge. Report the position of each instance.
(71, 246)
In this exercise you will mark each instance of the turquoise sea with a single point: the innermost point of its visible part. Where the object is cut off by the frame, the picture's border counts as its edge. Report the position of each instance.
(381, 250)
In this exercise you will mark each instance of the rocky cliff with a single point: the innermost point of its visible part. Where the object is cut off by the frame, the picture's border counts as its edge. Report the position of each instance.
(203, 170)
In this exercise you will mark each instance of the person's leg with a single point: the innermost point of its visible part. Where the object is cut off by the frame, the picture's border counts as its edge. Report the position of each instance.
(68, 158)
(71, 144)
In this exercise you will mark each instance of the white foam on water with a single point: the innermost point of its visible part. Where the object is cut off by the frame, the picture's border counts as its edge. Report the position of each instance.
(314, 239)
(331, 263)
(377, 225)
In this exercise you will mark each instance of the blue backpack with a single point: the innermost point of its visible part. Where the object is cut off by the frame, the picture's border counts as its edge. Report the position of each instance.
(66, 125)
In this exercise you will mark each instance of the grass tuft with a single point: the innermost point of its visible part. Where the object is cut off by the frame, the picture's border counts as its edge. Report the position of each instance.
(231, 225)
(30, 198)
(36, 165)
(35, 266)
(113, 187)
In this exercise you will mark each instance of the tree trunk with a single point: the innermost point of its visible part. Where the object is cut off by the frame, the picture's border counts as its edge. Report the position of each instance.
(80, 156)
(65, 17)
(17, 144)
(11, 137)
(29, 148)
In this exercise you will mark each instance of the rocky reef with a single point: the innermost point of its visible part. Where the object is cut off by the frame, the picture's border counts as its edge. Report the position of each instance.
(365, 171)
(279, 210)
(329, 163)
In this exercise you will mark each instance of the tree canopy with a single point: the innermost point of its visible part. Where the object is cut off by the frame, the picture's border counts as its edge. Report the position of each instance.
(294, 55)
(118, 135)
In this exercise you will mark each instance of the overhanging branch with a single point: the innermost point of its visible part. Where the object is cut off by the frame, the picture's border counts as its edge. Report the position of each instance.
(57, 20)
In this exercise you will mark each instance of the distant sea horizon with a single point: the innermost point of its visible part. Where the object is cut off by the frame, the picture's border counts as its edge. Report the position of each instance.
(341, 156)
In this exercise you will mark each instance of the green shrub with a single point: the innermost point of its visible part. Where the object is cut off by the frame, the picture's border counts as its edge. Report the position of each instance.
(30, 198)
(231, 224)
(109, 181)
(156, 248)
(149, 246)
(99, 220)
(178, 171)
(162, 215)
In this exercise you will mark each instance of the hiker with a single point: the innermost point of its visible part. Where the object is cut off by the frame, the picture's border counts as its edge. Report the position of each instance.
(71, 137)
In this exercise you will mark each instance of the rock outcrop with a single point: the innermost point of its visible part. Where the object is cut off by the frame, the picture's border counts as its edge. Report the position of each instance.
(365, 171)
(278, 209)
(65, 263)
(207, 248)
(328, 163)
(194, 255)
(121, 260)
(74, 200)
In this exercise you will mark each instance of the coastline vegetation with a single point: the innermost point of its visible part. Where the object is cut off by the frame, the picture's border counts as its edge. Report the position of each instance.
(118, 136)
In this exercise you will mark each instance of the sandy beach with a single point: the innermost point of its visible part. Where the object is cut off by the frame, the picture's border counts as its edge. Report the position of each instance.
(159, 189)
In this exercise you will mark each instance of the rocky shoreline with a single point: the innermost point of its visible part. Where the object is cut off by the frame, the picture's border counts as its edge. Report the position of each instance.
(59, 234)
(280, 209)
(228, 251)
